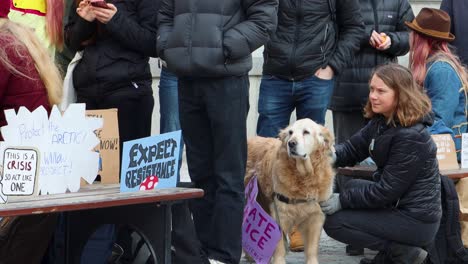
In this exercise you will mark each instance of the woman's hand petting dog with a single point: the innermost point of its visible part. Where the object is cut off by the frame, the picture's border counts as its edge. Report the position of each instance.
(332, 205)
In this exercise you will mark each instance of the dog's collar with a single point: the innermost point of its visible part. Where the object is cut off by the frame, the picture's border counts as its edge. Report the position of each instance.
(288, 200)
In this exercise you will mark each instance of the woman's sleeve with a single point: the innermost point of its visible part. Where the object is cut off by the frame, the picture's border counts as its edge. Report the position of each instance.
(4, 78)
(77, 30)
(400, 37)
(442, 86)
(137, 36)
(407, 155)
(356, 149)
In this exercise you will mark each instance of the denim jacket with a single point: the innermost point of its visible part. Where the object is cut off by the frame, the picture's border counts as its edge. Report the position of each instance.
(444, 87)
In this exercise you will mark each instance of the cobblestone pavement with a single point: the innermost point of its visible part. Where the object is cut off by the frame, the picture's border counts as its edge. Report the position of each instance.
(330, 252)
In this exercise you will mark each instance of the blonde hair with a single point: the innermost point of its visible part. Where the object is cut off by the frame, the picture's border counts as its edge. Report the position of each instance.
(24, 39)
(412, 103)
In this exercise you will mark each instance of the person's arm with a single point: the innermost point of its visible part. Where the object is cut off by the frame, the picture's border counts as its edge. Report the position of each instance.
(137, 36)
(78, 30)
(261, 21)
(4, 77)
(400, 37)
(356, 149)
(442, 86)
(350, 32)
(406, 156)
(166, 24)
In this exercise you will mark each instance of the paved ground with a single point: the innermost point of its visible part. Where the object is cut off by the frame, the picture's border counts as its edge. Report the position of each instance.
(330, 252)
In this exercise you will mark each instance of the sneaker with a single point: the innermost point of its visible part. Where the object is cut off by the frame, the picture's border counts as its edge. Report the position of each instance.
(380, 258)
(296, 242)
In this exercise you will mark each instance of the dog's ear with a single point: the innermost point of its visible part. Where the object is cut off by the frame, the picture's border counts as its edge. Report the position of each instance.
(283, 134)
(327, 139)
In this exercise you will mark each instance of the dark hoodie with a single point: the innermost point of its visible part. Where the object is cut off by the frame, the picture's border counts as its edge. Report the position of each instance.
(407, 174)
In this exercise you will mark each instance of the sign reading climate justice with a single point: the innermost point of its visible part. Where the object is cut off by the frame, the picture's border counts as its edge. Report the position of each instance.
(260, 232)
(150, 162)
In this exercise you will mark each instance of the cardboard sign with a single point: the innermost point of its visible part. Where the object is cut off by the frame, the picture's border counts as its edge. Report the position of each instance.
(446, 153)
(150, 162)
(464, 151)
(260, 232)
(19, 171)
(65, 143)
(109, 146)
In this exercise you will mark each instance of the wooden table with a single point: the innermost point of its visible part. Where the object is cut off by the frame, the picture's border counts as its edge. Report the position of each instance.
(104, 204)
(367, 171)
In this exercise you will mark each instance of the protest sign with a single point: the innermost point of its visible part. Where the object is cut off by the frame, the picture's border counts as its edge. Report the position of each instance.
(260, 232)
(156, 157)
(446, 153)
(464, 151)
(109, 147)
(65, 143)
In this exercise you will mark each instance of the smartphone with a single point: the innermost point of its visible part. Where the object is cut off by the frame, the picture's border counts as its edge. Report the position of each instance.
(99, 3)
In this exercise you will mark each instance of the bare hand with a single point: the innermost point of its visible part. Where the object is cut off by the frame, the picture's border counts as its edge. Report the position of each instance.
(386, 42)
(325, 74)
(104, 15)
(85, 12)
(375, 39)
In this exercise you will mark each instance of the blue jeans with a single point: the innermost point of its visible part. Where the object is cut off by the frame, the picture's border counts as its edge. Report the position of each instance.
(278, 98)
(169, 105)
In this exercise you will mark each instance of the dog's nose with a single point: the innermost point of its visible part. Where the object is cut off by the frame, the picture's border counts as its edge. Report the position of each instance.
(292, 143)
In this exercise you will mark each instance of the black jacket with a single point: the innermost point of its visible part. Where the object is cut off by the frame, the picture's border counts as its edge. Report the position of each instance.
(407, 174)
(457, 9)
(118, 53)
(213, 38)
(388, 16)
(306, 37)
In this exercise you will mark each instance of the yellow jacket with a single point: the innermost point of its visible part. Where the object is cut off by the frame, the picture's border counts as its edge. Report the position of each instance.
(38, 5)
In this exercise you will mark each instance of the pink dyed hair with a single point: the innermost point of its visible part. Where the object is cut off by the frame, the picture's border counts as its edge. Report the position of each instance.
(425, 49)
(54, 19)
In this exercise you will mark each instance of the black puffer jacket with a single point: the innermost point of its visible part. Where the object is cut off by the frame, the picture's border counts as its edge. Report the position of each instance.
(388, 16)
(407, 174)
(306, 38)
(213, 38)
(119, 52)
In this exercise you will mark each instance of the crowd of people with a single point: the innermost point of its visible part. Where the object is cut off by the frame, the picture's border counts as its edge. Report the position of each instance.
(318, 55)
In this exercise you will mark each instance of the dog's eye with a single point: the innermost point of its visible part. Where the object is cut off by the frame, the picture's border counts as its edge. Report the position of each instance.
(290, 132)
(306, 132)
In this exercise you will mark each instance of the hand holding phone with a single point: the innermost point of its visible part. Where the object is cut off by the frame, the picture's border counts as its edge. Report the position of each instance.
(99, 3)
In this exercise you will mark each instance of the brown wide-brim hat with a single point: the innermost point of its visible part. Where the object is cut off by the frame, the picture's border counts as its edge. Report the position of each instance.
(433, 23)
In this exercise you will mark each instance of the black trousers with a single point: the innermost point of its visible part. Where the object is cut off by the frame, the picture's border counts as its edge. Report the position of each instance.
(378, 229)
(213, 115)
(135, 109)
(346, 124)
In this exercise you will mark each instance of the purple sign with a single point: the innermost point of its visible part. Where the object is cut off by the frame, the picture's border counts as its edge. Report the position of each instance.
(260, 232)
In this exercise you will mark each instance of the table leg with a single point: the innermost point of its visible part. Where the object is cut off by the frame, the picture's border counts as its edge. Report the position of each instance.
(167, 233)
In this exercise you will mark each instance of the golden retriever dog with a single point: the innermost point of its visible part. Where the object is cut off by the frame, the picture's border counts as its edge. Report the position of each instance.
(294, 173)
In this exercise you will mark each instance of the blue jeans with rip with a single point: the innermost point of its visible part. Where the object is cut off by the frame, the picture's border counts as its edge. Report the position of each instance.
(278, 98)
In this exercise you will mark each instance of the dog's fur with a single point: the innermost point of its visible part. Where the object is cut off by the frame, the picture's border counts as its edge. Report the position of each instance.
(298, 165)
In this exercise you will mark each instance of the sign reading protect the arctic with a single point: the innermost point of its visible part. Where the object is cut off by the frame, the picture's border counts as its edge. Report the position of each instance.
(150, 162)
(65, 143)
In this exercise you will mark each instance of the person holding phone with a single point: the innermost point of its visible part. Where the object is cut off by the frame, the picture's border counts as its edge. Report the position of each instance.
(116, 42)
